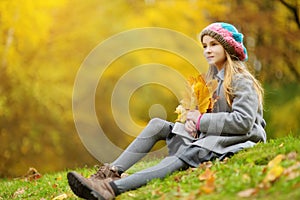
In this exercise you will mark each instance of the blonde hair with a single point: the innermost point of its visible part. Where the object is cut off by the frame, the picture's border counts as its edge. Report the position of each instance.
(233, 67)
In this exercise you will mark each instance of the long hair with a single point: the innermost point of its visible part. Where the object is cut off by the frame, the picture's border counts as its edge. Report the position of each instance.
(233, 67)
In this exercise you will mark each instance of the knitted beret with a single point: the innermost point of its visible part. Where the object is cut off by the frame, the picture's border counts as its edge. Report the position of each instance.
(229, 37)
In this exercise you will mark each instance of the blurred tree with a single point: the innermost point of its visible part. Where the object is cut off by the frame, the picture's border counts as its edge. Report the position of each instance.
(35, 105)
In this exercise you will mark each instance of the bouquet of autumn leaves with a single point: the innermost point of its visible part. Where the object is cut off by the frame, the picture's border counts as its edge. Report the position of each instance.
(198, 96)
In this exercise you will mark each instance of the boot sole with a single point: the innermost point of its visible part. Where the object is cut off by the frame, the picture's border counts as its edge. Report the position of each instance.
(81, 189)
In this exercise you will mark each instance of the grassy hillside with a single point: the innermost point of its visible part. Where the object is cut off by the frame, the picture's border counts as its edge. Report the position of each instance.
(267, 171)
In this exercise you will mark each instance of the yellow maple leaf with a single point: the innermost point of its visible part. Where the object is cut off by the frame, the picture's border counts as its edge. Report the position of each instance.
(276, 161)
(273, 174)
(198, 95)
(275, 170)
(202, 94)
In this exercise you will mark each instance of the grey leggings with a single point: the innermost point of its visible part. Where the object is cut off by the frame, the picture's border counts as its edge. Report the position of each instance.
(156, 130)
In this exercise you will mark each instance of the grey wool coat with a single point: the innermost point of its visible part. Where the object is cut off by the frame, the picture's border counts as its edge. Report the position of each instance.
(230, 129)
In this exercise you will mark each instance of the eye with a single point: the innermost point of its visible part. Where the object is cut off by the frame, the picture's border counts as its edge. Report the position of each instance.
(204, 46)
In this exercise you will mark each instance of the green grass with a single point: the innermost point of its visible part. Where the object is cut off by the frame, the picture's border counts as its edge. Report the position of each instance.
(244, 170)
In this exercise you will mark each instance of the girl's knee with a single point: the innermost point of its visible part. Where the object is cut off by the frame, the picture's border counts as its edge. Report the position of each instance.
(156, 121)
(158, 127)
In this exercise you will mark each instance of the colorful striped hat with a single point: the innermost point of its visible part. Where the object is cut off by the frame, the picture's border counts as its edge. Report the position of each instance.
(229, 37)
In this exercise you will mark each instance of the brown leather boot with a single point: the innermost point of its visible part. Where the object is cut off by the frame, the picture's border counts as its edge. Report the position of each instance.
(106, 171)
(90, 188)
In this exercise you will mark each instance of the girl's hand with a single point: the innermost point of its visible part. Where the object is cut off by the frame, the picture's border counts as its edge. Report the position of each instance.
(190, 127)
(193, 115)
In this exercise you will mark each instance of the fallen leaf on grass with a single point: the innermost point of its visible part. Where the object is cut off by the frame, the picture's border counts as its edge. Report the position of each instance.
(58, 178)
(293, 175)
(291, 172)
(60, 197)
(205, 165)
(209, 186)
(274, 171)
(209, 177)
(273, 174)
(19, 192)
(177, 178)
(131, 194)
(248, 193)
(206, 175)
(276, 161)
(157, 192)
(281, 145)
(32, 174)
(292, 155)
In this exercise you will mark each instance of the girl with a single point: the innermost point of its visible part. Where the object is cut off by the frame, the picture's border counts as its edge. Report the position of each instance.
(236, 123)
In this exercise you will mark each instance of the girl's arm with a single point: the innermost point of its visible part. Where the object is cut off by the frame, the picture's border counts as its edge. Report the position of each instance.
(244, 110)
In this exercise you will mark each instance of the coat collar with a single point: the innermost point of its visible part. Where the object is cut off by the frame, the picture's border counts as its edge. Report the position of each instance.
(220, 74)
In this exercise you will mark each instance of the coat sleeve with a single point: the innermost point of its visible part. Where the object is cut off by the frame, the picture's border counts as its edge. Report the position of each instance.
(242, 116)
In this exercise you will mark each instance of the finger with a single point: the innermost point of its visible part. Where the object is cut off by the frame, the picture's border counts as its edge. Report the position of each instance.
(188, 128)
(191, 126)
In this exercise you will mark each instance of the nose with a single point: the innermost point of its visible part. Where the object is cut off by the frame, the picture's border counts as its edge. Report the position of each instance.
(207, 50)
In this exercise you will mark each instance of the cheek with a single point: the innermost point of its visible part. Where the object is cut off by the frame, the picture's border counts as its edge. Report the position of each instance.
(222, 52)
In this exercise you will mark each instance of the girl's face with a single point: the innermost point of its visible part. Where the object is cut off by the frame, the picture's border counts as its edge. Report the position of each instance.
(214, 52)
